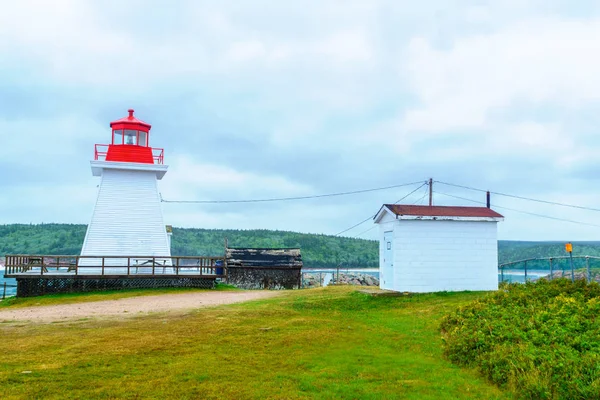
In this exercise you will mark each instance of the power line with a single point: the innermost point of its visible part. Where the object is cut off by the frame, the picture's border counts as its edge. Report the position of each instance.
(523, 198)
(423, 198)
(354, 226)
(521, 211)
(363, 232)
(373, 216)
(416, 202)
(287, 198)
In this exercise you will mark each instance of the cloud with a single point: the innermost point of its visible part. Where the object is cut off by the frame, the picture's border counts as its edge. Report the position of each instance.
(536, 61)
(276, 99)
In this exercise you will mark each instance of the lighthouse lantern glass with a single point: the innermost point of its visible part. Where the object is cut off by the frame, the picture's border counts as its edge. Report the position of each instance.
(142, 139)
(118, 136)
(130, 136)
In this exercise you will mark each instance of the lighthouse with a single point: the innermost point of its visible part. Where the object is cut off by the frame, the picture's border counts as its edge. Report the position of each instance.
(127, 219)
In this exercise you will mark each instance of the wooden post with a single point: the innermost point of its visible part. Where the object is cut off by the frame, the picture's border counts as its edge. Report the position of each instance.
(430, 192)
(551, 273)
(103, 265)
(502, 274)
(572, 270)
(589, 271)
(525, 271)
(4, 292)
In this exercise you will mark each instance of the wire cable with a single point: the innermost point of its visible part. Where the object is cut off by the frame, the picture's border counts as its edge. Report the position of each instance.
(521, 211)
(416, 202)
(522, 197)
(373, 216)
(363, 232)
(287, 198)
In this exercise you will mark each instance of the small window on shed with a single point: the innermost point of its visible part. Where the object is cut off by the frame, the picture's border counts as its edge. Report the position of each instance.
(389, 245)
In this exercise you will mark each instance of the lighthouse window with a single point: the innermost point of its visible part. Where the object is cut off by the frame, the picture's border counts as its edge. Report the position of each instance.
(142, 139)
(118, 137)
(130, 136)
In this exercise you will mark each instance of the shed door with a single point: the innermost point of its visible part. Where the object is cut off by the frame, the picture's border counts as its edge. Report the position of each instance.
(387, 276)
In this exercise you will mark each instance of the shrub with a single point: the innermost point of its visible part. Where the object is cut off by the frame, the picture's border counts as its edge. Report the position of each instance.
(540, 340)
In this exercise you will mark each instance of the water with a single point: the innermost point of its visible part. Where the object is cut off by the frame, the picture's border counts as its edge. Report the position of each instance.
(519, 275)
(10, 290)
(509, 275)
(366, 271)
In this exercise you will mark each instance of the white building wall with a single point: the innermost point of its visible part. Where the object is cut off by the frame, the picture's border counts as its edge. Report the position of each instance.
(127, 218)
(431, 256)
(386, 224)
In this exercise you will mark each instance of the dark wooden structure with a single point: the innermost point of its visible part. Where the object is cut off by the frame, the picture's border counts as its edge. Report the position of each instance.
(41, 274)
(264, 268)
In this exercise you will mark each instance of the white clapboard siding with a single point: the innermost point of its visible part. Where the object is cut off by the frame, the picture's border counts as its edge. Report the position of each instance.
(127, 218)
(438, 255)
(434, 256)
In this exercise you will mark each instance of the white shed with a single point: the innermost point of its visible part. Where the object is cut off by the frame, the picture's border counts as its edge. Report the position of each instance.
(437, 248)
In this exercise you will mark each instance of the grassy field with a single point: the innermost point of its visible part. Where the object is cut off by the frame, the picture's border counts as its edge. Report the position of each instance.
(319, 343)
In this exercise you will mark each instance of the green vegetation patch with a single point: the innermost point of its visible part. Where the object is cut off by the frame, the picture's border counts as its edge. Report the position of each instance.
(322, 343)
(540, 340)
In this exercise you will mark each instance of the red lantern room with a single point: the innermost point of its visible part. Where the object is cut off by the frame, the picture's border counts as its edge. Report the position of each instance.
(130, 143)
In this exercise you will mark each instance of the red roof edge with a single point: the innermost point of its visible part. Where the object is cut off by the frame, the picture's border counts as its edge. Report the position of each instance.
(443, 211)
(130, 120)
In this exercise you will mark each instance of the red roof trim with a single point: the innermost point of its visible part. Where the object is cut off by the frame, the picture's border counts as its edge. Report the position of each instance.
(131, 120)
(442, 211)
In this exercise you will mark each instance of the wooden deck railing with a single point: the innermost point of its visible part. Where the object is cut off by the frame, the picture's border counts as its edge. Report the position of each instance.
(36, 264)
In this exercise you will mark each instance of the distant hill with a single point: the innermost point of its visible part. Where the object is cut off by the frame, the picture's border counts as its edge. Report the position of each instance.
(509, 250)
(323, 251)
(317, 250)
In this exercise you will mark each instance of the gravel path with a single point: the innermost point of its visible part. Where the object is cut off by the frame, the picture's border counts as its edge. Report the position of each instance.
(132, 306)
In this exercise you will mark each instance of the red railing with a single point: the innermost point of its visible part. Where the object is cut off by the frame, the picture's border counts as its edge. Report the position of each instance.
(100, 151)
(158, 155)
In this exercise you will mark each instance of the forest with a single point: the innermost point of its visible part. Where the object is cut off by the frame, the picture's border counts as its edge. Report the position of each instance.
(318, 251)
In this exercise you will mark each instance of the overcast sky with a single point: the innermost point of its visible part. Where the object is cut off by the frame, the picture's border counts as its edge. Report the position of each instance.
(258, 99)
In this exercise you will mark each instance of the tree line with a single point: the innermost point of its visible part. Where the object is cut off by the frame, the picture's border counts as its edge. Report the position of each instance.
(319, 251)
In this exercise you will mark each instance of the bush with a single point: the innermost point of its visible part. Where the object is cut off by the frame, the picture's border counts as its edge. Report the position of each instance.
(540, 340)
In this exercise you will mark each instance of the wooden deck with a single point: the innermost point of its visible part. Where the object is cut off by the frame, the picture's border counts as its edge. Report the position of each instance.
(34, 266)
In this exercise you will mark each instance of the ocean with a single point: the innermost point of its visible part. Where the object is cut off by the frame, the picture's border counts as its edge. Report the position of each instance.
(509, 275)
(10, 290)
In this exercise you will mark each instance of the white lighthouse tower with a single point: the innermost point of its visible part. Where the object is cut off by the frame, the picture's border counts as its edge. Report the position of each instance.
(127, 219)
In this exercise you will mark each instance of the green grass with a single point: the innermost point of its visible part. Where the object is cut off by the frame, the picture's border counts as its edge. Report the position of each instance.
(541, 340)
(319, 343)
(71, 298)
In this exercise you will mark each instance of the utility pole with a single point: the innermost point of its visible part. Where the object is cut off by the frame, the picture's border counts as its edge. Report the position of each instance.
(430, 192)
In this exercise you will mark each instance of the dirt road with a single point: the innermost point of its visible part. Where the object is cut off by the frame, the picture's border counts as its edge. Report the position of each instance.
(132, 306)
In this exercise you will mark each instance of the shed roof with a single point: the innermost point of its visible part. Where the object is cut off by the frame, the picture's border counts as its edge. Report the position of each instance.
(401, 210)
